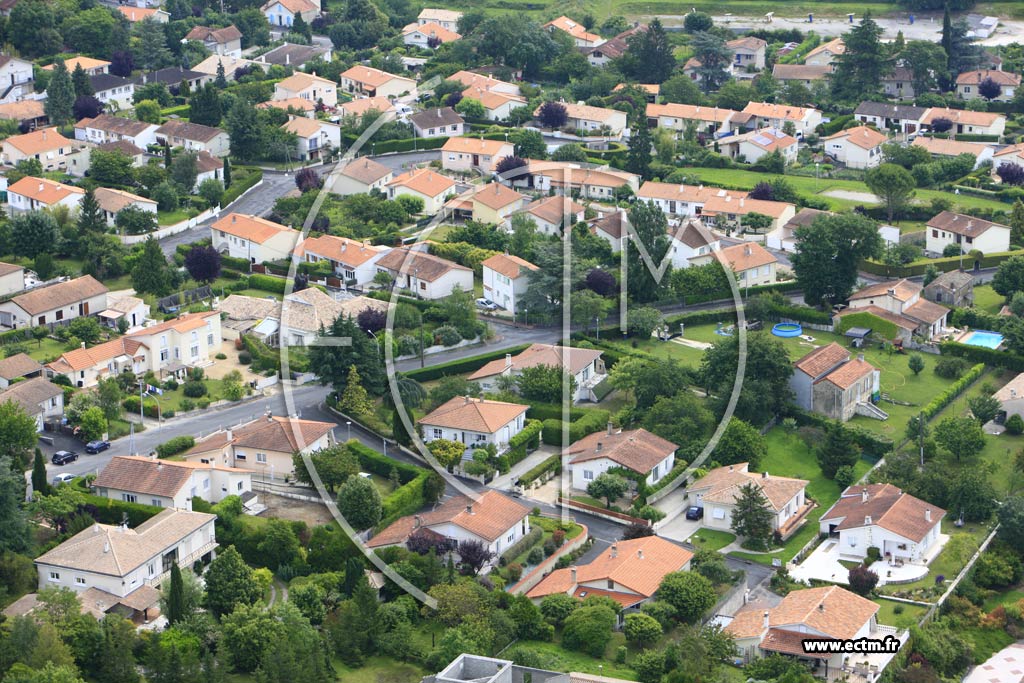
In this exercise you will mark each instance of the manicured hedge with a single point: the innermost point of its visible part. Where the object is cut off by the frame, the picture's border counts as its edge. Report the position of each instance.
(552, 464)
(953, 391)
(522, 545)
(406, 500)
(869, 442)
(462, 366)
(943, 264)
(267, 283)
(421, 304)
(979, 354)
(239, 264)
(131, 405)
(872, 322)
(524, 442)
(178, 444)
(553, 411)
(406, 145)
(242, 178)
(377, 463)
(110, 511)
(594, 421)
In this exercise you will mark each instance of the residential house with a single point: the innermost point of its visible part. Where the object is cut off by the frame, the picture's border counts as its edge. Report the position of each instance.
(194, 137)
(116, 93)
(765, 115)
(433, 188)
(900, 302)
(293, 105)
(581, 36)
(425, 275)
(353, 261)
(587, 118)
(106, 128)
(753, 264)
(568, 178)
(298, 321)
(899, 83)
(315, 138)
(18, 367)
(12, 278)
(550, 214)
(121, 569)
(361, 105)
(882, 516)
(629, 572)
(748, 53)
(1011, 154)
(474, 422)
(829, 382)
(636, 450)
(692, 66)
(225, 42)
(969, 83)
(35, 194)
(180, 343)
(682, 200)
(690, 239)
(718, 490)
(492, 519)
(136, 14)
(255, 239)
(602, 53)
(40, 398)
(807, 75)
(132, 309)
(954, 288)
(436, 123)
(231, 66)
(965, 121)
(208, 167)
(283, 12)
(505, 279)
(16, 79)
(827, 613)
(365, 80)
(968, 232)
(308, 87)
(45, 145)
(85, 367)
(494, 203)
(80, 162)
(173, 77)
(901, 118)
(727, 212)
(826, 53)
(497, 106)
(612, 228)
(168, 483)
(948, 149)
(487, 82)
(264, 445)
(295, 56)
(758, 143)
(465, 154)
(428, 36)
(360, 176)
(652, 90)
(446, 18)
(784, 238)
(585, 365)
(112, 202)
(1011, 399)
(29, 114)
(859, 147)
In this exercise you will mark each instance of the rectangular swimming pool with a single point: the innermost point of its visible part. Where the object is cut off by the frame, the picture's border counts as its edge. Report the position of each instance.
(990, 340)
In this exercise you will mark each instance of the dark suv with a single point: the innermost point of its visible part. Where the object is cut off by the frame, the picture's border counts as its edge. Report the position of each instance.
(94, 447)
(694, 512)
(64, 457)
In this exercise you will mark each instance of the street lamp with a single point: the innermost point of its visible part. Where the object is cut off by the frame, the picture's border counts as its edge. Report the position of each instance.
(348, 425)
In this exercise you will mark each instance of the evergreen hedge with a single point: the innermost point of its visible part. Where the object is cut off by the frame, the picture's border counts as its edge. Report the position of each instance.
(524, 442)
(979, 354)
(552, 464)
(178, 444)
(110, 511)
(953, 391)
(594, 421)
(464, 365)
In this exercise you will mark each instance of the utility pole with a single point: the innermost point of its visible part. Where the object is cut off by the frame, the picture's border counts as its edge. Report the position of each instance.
(920, 435)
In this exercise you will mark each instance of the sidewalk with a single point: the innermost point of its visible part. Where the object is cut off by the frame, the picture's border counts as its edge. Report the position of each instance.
(504, 482)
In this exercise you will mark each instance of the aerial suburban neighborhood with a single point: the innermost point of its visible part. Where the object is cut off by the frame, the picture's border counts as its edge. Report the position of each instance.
(372, 341)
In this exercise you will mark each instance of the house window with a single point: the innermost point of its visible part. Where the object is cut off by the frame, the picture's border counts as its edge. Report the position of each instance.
(261, 457)
(128, 497)
(156, 502)
(852, 540)
(718, 513)
(437, 433)
(239, 455)
(163, 355)
(206, 484)
(54, 576)
(588, 475)
(209, 339)
(194, 351)
(239, 486)
(150, 569)
(511, 537)
(481, 437)
(611, 584)
(79, 581)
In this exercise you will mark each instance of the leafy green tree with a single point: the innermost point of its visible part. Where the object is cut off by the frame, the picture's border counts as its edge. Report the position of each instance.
(838, 449)
(80, 82)
(740, 442)
(17, 433)
(151, 273)
(608, 486)
(690, 594)
(279, 546)
(333, 362)
(528, 144)
(828, 254)
(861, 67)
(1009, 277)
(32, 30)
(334, 466)
(110, 168)
(925, 59)
(752, 518)
(175, 610)
(642, 629)
(961, 436)
(643, 321)
(1011, 522)
(714, 57)
(683, 419)
(765, 390)
(33, 233)
(915, 363)
(681, 89)
(359, 502)
(39, 483)
(151, 52)
(116, 652)
(649, 55)
(962, 52)
(972, 495)
(90, 215)
(246, 132)
(984, 407)
(184, 170)
(518, 41)
(638, 158)
(355, 400)
(648, 380)
(93, 423)
(229, 582)
(187, 598)
(14, 532)
(545, 383)
(893, 185)
(588, 629)
(651, 229)
(697, 22)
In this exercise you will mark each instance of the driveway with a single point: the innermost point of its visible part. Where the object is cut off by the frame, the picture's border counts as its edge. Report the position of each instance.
(679, 529)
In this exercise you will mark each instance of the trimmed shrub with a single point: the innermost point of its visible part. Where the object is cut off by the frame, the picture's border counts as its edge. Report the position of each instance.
(194, 389)
(525, 441)
(111, 511)
(953, 391)
(522, 545)
(594, 421)
(178, 444)
(460, 367)
(1015, 425)
(267, 283)
(552, 464)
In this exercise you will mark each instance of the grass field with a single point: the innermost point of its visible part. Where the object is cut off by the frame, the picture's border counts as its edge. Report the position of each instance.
(712, 539)
(907, 615)
(1004, 598)
(987, 300)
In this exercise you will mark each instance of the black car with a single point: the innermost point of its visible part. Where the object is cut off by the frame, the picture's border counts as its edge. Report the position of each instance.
(695, 512)
(64, 457)
(94, 447)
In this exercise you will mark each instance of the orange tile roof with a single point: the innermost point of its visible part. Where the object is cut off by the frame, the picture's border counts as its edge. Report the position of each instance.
(801, 72)
(342, 249)
(741, 257)
(365, 170)
(636, 449)
(509, 265)
(300, 81)
(864, 137)
(822, 359)
(489, 517)
(638, 564)
(898, 320)
(836, 46)
(44, 190)
(745, 205)
(553, 209)
(302, 127)
(698, 194)
(722, 485)
(831, 610)
(541, 354)
(252, 228)
(293, 6)
(584, 112)
(497, 196)
(768, 139)
(962, 116)
(473, 414)
(491, 99)
(424, 181)
(149, 476)
(133, 13)
(86, 62)
(649, 88)
(281, 434)
(299, 103)
(471, 79)
(101, 354)
(949, 148)
(785, 112)
(850, 373)
(886, 506)
(574, 29)
(476, 146)
(1003, 78)
(962, 224)
(38, 141)
(420, 265)
(374, 78)
(433, 30)
(902, 290)
(184, 323)
(361, 105)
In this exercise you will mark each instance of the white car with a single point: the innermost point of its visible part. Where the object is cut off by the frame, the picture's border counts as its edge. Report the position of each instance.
(486, 304)
(63, 478)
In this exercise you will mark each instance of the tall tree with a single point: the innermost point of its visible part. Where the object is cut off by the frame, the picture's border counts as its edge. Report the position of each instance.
(359, 501)
(151, 51)
(116, 653)
(926, 60)
(152, 274)
(649, 57)
(963, 437)
(651, 228)
(765, 390)
(205, 107)
(334, 362)
(60, 96)
(229, 582)
(828, 254)
(14, 528)
(859, 70)
(752, 518)
(893, 185)
(176, 596)
(39, 483)
(837, 450)
(638, 158)
(80, 81)
(714, 56)
(246, 133)
(962, 52)
(18, 433)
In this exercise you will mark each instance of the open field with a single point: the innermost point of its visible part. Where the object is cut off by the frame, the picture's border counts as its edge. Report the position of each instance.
(986, 299)
(899, 614)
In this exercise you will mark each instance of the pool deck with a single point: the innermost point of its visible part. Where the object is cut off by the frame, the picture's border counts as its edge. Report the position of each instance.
(967, 335)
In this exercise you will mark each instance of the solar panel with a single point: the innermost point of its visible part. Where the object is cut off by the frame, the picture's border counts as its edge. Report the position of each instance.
(762, 140)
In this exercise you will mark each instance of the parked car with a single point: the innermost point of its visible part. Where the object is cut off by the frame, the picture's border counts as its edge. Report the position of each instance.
(695, 512)
(94, 447)
(63, 479)
(64, 457)
(486, 304)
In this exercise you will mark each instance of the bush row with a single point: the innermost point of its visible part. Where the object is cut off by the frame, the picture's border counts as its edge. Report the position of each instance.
(979, 354)
(594, 421)
(110, 511)
(267, 283)
(943, 264)
(407, 499)
(234, 263)
(869, 442)
(522, 545)
(242, 178)
(178, 444)
(953, 391)
(377, 463)
(553, 411)
(552, 464)
(524, 442)
(464, 365)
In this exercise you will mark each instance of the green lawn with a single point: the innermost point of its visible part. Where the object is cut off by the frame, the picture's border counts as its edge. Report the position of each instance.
(48, 350)
(380, 670)
(1005, 598)
(789, 456)
(987, 300)
(947, 564)
(559, 659)
(712, 539)
(899, 614)
(172, 217)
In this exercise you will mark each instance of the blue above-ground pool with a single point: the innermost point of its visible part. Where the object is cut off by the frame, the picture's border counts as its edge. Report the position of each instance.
(787, 329)
(989, 340)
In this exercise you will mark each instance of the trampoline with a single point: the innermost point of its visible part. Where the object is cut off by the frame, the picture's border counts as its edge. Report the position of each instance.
(787, 329)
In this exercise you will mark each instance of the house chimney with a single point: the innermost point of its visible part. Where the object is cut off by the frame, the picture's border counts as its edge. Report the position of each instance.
(867, 520)
(417, 522)
(572, 573)
(83, 345)
(508, 360)
(40, 187)
(741, 202)
(821, 607)
(927, 515)
(864, 495)
(599, 446)
(891, 292)
(438, 113)
(766, 619)
(860, 357)
(106, 547)
(640, 554)
(730, 468)
(615, 551)
(234, 218)
(610, 427)
(467, 398)
(764, 475)
(469, 509)
(287, 58)
(748, 250)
